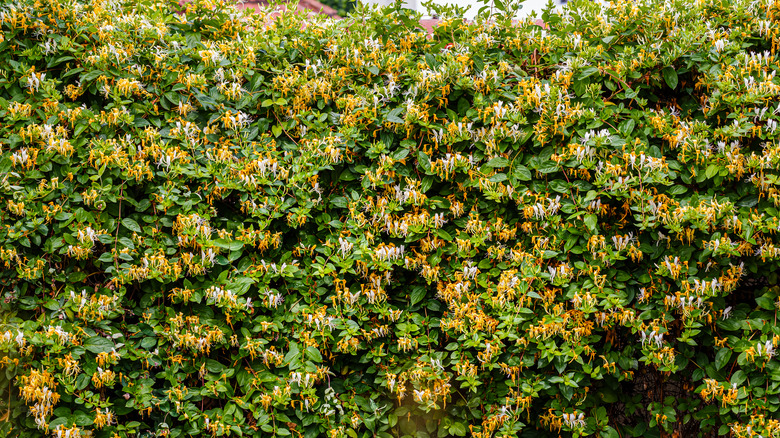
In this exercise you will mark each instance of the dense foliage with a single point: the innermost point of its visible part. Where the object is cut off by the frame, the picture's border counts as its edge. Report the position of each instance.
(217, 224)
(342, 7)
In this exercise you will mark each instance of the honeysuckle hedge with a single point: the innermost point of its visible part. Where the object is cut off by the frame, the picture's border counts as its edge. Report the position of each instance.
(222, 224)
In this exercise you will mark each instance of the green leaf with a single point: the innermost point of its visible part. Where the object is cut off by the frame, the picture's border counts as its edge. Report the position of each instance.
(748, 202)
(559, 186)
(240, 285)
(548, 166)
(243, 378)
(458, 429)
(393, 116)
(126, 242)
(444, 235)
(670, 76)
(425, 162)
(339, 201)
(591, 221)
(712, 170)
(627, 126)
(213, 366)
(62, 411)
(207, 102)
(498, 162)
(148, 342)
(430, 60)
(765, 303)
(418, 293)
(231, 245)
(98, 344)
(80, 418)
(313, 354)
(479, 64)
(738, 377)
(291, 358)
(78, 277)
(131, 225)
(59, 60)
(521, 172)
(400, 154)
(427, 182)
(588, 72)
(722, 358)
(463, 105)
(82, 381)
(610, 432)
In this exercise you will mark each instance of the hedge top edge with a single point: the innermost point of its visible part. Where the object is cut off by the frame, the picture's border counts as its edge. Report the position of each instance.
(220, 223)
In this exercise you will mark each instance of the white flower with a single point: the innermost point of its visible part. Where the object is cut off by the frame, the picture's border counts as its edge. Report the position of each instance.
(345, 246)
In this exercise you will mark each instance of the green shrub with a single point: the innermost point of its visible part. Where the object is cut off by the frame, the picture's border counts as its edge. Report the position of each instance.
(218, 224)
(342, 7)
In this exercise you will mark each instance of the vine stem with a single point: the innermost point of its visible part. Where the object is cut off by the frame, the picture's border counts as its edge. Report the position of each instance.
(119, 220)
